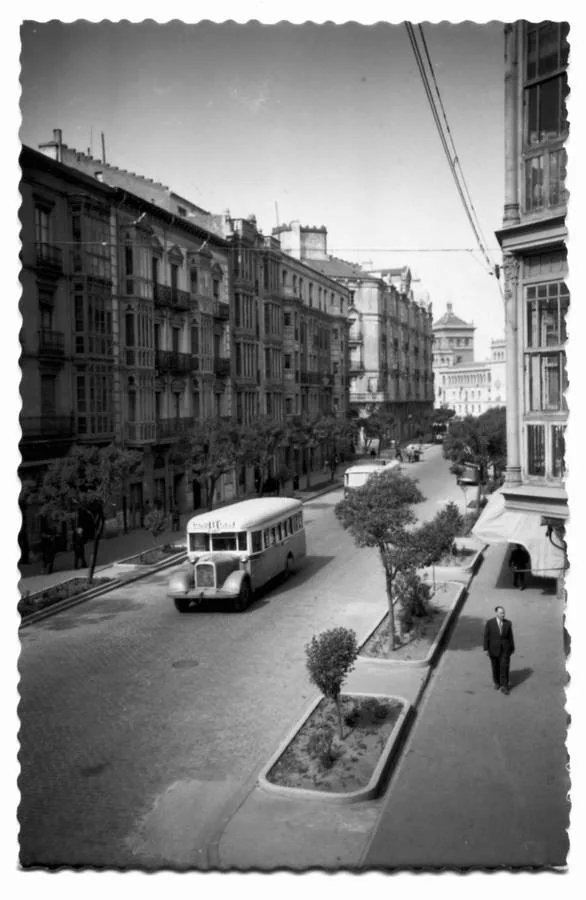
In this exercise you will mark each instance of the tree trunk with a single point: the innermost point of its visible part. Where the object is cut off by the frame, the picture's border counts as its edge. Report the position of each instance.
(389, 583)
(98, 529)
(340, 719)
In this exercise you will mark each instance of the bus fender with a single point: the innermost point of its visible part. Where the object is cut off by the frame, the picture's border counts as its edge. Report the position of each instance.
(234, 581)
(182, 581)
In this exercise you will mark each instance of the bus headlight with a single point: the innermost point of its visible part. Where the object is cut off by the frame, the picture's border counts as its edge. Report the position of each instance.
(244, 558)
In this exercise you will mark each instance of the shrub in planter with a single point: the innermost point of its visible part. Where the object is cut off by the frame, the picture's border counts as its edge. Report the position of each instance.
(321, 747)
(330, 658)
(413, 595)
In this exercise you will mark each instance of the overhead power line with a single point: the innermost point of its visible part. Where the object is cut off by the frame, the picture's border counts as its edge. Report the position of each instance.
(449, 146)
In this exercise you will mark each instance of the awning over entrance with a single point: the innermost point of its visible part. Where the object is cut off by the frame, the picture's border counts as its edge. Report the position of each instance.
(499, 525)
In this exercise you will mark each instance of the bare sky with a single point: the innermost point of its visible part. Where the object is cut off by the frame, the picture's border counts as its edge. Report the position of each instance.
(328, 124)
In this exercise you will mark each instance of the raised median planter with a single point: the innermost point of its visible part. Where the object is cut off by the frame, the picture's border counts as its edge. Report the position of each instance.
(58, 593)
(459, 566)
(420, 647)
(355, 768)
(153, 556)
(39, 605)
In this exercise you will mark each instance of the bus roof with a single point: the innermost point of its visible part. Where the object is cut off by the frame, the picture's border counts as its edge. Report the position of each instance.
(373, 467)
(245, 514)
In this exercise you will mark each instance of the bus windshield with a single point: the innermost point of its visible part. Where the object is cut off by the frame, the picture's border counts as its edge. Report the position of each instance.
(218, 540)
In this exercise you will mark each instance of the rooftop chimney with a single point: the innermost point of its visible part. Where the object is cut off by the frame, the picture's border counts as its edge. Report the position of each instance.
(449, 307)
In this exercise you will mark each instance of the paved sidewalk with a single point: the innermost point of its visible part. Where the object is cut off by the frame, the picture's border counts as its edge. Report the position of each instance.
(114, 549)
(481, 780)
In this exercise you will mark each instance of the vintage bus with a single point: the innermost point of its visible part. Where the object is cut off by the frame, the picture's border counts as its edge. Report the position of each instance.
(357, 475)
(236, 550)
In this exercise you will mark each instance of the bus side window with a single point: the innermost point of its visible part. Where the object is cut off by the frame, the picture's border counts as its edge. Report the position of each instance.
(299, 521)
(280, 532)
(273, 536)
(256, 541)
(241, 540)
(291, 525)
(267, 538)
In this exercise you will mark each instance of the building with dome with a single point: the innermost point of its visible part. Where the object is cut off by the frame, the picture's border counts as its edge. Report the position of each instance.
(460, 383)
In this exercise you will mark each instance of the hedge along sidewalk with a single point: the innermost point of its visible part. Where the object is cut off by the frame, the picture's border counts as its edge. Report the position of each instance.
(120, 572)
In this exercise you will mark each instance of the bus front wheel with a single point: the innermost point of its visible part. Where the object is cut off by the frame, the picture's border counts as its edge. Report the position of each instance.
(182, 604)
(244, 598)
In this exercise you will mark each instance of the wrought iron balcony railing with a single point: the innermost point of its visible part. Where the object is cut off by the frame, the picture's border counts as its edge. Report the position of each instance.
(173, 298)
(173, 361)
(221, 367)
(51, 343)
(48, 256)
(50, 426)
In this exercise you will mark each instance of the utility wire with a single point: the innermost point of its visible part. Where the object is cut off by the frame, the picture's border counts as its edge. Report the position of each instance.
(453, 160)
(456, 159)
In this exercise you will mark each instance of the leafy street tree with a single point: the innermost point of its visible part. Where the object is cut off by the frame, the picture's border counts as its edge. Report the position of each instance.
(436, 537)
(155, 522)
(336, 435)
(261, 442)
(480, 441)
(378, 426)
(217, 448)
(330, 658)
(379, 514)
(88, 480)
(301, 436)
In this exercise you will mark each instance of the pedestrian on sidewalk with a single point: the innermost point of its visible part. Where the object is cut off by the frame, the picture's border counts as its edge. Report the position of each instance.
(500, 646)
(175, 518)
(519, 562)
(47, 550)
(79, 548)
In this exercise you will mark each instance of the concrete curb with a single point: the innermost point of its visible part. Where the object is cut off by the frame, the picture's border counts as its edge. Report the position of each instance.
(454, 573)
(370, 790)
(91, 593)
(430, 658)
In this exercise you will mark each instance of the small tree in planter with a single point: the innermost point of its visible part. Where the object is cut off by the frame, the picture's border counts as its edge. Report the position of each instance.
(330, 659)
(436, 537)
(378, 515)
(414, 595)
(155, 522)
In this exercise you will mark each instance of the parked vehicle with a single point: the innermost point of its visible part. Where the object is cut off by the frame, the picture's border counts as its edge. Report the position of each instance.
(236, 550)
(356, 476)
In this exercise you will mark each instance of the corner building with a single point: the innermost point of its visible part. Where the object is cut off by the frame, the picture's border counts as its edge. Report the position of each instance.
(533, 240)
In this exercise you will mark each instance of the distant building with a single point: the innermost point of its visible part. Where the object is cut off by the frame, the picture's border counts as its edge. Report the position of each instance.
(472, 388)
(390, 332)
(453, 340)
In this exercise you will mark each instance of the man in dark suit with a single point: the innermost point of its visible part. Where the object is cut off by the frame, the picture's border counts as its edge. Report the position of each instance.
(500, 646)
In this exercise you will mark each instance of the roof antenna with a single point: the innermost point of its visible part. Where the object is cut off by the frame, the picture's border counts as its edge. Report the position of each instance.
(103, 148)
(277, 212)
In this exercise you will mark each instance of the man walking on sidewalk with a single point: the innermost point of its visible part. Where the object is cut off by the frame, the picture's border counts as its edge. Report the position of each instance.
(500, 646)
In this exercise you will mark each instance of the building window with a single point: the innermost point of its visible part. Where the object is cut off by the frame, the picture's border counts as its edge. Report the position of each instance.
(216, 289)
(536, 450)
(545, 122)
(558, 450)
(546, 381)
(128, 260)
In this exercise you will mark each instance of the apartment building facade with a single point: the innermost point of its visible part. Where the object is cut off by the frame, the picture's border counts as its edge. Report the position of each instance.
(390, 334)
(533, 240)
(125, 332)
(140, 321)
